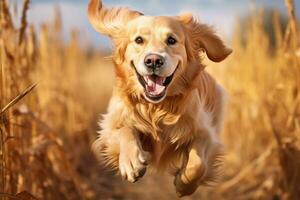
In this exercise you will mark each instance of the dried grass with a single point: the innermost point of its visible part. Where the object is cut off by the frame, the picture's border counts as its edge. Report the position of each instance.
(35, 162)
(264, 85)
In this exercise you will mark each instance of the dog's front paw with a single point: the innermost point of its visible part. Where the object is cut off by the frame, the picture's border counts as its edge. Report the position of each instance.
(133, 161)
(183, 186)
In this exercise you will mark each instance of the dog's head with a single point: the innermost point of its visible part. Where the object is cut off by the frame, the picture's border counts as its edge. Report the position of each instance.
(155, 53)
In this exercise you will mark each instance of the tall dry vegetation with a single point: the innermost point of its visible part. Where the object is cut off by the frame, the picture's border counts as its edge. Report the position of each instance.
(262, 133)
(49, 101)
(41, 134)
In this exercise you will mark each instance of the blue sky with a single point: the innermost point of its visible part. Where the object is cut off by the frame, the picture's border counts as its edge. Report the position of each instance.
(220, 13)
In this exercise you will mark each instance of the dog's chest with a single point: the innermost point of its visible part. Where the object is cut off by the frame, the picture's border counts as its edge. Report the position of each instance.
(167, 130)
(167, 147)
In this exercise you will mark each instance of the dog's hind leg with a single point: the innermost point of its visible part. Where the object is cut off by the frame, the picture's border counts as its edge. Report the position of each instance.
(201, 167)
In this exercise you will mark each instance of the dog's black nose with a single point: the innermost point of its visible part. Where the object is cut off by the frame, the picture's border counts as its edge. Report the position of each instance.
(154, 61)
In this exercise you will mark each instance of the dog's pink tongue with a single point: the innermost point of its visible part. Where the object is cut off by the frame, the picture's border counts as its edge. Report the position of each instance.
(155, 85)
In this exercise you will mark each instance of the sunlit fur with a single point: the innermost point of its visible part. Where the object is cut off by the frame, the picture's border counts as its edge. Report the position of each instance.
(189, 118)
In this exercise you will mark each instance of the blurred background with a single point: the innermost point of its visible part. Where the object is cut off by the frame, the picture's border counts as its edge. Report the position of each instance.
(56, 78)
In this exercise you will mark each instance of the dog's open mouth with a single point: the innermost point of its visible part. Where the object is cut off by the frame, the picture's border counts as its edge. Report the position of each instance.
(154, 86)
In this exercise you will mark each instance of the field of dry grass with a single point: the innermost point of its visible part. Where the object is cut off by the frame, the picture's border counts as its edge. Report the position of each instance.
(52, 92)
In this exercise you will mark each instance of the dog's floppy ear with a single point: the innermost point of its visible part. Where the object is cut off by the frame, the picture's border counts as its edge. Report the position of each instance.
(110, 21)
(203, 37)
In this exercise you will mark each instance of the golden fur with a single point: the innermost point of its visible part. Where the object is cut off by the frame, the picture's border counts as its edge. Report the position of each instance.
(179, 134)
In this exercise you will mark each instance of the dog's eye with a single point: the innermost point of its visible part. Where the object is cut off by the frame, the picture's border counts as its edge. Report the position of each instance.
(171, 41)
(139, 40)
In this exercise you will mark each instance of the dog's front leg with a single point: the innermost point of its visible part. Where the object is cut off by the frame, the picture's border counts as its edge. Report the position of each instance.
(122, 147)
(133, 160)
(201, 166)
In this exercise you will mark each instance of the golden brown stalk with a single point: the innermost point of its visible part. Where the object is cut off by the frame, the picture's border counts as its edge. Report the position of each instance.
(23, 20)
(5, 16)
(17, 99)
(293, 23)
(277, 29)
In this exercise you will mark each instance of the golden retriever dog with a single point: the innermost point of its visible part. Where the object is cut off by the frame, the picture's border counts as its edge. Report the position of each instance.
(166, 110)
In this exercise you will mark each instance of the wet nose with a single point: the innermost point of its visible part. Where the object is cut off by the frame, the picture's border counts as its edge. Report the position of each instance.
(154, 61)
